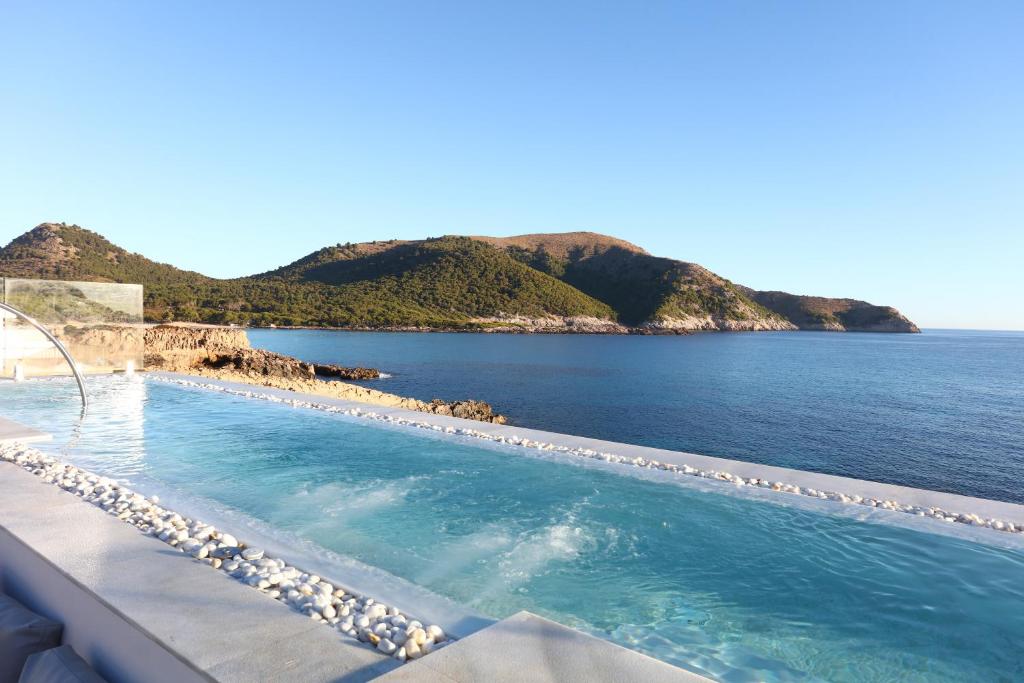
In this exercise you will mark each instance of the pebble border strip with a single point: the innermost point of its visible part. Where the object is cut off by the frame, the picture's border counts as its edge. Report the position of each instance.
(918, 510)
(381, 626)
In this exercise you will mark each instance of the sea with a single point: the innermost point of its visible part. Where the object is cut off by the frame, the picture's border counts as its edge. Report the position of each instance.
(941, 410)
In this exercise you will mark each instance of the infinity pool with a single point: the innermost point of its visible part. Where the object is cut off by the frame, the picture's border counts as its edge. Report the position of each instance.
(737, 588)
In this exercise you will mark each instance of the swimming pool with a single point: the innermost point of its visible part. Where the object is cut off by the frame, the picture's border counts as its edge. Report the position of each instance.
(691, 572)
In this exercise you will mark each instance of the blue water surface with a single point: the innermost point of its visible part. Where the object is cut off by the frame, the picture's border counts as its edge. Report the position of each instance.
(942, 410)
(692, 572)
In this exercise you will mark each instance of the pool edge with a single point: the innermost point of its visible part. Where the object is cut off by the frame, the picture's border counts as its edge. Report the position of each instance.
(802, 478)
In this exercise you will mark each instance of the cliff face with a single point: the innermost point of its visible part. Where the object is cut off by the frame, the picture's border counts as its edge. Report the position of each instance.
(179, 339)
(557, 282)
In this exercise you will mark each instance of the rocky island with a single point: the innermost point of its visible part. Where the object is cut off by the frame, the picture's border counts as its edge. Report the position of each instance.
(577, 282)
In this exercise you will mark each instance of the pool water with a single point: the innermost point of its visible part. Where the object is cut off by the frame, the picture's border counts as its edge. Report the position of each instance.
(737, 588)
(940, 410)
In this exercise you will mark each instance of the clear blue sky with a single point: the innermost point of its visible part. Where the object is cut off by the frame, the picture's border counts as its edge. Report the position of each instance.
(866, 149)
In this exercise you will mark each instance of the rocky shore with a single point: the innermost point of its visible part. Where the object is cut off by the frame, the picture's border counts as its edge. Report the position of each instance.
(225, 353)
(685, 325)
(548, 325)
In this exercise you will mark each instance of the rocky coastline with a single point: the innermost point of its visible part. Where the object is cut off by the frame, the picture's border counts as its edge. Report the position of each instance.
(225, 353)
(667, 326)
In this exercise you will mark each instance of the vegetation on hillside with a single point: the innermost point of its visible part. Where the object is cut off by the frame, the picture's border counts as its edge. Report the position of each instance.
(815, 312)
(642, 288)
(447, 282)
(444, 282)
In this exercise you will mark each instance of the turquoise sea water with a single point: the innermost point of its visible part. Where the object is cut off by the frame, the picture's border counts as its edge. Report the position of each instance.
(737, 588)
(941, 410)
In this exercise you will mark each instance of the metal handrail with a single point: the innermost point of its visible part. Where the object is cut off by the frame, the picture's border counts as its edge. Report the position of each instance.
(56, 342)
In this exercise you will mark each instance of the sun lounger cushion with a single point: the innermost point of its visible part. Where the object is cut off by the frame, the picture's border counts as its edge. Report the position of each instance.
(59, 665)
(22, 633)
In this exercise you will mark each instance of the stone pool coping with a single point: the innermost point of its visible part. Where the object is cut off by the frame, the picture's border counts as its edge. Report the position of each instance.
(526, 647)
(951, 502)
(12, 431)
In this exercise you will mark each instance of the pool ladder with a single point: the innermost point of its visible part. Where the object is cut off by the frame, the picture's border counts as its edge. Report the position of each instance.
(56, 342)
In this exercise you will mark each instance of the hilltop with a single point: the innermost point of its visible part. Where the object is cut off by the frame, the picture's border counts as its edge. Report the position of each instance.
(577, 282)
(561, 245)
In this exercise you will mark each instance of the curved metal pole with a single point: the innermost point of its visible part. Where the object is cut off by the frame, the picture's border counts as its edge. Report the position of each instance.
(60, 347)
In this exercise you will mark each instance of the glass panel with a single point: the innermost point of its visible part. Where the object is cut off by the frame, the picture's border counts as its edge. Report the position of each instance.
(100, 323)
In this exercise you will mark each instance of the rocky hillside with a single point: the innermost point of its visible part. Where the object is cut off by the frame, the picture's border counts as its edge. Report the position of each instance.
(67, 252)
(567, 282)
(445, 274)
(647, 291)
(836, 315)
(562, 245)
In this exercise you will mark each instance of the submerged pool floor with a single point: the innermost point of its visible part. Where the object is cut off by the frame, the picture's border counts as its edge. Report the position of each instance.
(736, 588)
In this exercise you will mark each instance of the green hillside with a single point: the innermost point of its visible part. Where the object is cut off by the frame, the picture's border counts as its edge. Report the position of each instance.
(648, 289)
(446, 282)
(67, 252)
(820, 313)
(449, 275)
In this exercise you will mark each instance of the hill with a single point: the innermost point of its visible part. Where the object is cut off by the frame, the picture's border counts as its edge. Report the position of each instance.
(562, 245)
(581, 282)
(67, 252)
(448, 280)
(648, 291)
(838, 315)
(451, 282)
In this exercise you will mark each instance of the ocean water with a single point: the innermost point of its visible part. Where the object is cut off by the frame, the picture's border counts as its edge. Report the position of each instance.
(942, 410)
(692, 572)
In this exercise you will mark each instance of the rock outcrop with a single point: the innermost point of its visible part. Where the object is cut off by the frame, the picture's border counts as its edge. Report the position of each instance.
(260, 363)
(340, 372)
(178, 338)
(684, 324)
(467, 410)
(225, 353)
(547, 325)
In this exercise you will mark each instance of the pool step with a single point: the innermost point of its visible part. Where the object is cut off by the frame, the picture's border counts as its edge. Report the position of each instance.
(14, 431)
